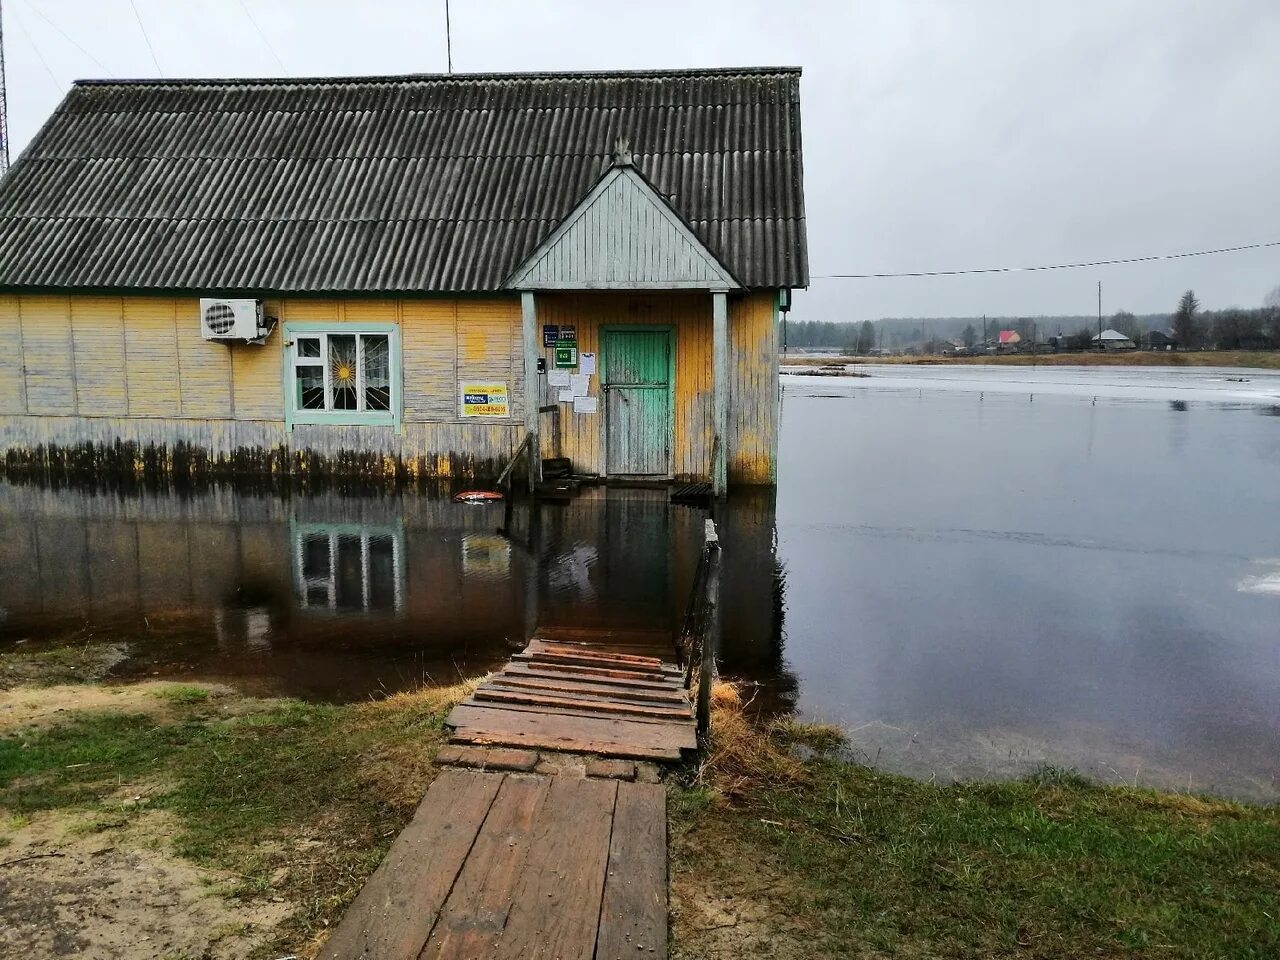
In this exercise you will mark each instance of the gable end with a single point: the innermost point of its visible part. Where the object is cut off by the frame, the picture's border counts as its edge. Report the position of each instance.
(622, 236)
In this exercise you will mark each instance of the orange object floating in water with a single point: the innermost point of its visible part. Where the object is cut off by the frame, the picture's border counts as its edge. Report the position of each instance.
(477, 496)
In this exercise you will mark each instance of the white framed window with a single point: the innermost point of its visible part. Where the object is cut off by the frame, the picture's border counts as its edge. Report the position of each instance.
(343, 374)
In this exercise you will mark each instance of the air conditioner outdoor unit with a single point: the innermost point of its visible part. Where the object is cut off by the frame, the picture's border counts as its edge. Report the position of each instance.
(232, 320)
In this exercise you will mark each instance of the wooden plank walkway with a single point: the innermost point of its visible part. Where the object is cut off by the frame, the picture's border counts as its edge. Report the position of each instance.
(611, 693)
(504, 866)
(570, 863)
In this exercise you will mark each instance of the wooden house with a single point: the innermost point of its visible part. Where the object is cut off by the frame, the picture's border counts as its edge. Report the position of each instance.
(408, 275)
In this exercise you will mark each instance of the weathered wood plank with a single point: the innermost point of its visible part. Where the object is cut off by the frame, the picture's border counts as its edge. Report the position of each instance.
(397, 908)
(582, 702)
(475, 915)
(633, 914)
(586, 663)
(523, 682)
(556, 910)
(574, 650)
(577, 711)
(550, 731)
(633, 683)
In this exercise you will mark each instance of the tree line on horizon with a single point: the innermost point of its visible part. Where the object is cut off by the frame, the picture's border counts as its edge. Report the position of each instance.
(1233, 328)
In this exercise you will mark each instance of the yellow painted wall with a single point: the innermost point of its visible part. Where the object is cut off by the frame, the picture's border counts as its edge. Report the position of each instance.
(142, 359)
(752, 378)
(13, 387)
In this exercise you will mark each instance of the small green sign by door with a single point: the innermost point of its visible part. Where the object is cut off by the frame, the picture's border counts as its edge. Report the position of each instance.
(567, 356)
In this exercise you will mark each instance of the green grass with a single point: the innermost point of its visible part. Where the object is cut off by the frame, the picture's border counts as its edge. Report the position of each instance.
(182, 693)
(249, 787)
(1049, 866)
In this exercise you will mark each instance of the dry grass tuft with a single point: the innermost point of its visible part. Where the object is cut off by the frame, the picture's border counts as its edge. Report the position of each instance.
(744, 757)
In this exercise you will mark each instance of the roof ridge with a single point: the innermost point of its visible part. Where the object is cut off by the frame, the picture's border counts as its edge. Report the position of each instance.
(444, 77)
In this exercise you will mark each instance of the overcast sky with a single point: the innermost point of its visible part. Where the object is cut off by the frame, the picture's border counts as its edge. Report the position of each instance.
(937, 135)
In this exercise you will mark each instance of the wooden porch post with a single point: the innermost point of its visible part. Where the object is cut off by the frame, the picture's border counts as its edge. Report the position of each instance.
(720, 391)
(532, 394)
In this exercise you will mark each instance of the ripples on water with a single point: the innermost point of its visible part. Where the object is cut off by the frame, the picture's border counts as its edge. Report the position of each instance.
(975, 571)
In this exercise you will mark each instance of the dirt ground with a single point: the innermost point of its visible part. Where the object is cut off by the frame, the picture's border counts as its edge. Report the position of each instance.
(71, 886)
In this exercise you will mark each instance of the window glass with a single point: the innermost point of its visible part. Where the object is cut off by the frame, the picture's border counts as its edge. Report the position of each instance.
(337, 372)
(343, 372)
(377, 372)
(310, 379)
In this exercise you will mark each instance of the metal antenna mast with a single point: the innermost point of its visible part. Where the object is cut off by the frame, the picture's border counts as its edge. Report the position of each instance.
(448, 37)
(4, 107)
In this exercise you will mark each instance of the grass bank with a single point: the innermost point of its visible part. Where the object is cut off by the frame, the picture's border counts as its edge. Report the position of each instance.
(775, 855)
(1260, 359)
(281, 802)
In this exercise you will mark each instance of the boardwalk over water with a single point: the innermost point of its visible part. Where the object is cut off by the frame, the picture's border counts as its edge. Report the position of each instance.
(554, 843)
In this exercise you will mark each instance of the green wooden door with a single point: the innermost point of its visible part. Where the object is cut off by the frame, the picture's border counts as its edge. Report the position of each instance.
(637, 388)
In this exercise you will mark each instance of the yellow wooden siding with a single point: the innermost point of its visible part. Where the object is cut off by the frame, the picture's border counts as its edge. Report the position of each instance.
(97, 329)
(257, 371)
(753, 407)
(752, 378)
(204, 366)
(46, 345)
(166, 370)
(428, 338)
(370, 311)
(151, 353)
(486, 333)
(13, 395)
(689, 315)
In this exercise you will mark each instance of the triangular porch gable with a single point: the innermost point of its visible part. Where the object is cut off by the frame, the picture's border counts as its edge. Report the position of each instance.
(622, 236)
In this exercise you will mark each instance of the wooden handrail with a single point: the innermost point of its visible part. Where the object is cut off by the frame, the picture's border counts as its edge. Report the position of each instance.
(701, 625)
(515, 457)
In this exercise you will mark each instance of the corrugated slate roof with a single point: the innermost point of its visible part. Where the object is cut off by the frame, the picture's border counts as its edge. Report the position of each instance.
(390, 184)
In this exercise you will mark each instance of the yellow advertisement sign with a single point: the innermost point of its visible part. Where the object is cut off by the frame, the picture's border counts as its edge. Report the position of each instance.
(485, 400)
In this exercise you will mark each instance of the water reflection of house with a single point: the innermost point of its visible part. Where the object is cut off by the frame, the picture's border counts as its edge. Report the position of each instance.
(327, 582)
(373, 272)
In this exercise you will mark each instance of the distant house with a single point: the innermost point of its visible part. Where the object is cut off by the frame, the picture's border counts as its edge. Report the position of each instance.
(1160, 340)
(1113, 340)
(1009, 338)
(414, 276)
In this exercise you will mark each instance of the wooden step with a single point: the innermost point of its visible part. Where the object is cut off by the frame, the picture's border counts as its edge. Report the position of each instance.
(609, 657)
(608, 736)
(569, 685)
(570, 711)
(586, 666)
(520, 669)
(585, 702)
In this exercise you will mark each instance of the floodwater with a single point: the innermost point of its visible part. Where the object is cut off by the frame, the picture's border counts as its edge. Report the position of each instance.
(990, 568)
(974, 570)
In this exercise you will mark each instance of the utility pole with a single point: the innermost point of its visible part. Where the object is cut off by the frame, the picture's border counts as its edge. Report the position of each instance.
(4, 107)
(1099, 314)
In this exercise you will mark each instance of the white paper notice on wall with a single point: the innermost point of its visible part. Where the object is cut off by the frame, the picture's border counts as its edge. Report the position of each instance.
(557, 378)
(586, 363)
(580, 383)
(586, 405)
(565, 396)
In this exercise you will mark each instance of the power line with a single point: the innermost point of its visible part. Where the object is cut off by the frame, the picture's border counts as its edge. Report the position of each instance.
(263, 37)
(1051, 266)
(71, 40)
(36, 47)
(143, 28)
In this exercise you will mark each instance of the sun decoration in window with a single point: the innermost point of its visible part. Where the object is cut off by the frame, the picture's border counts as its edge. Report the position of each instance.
(335, 372)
